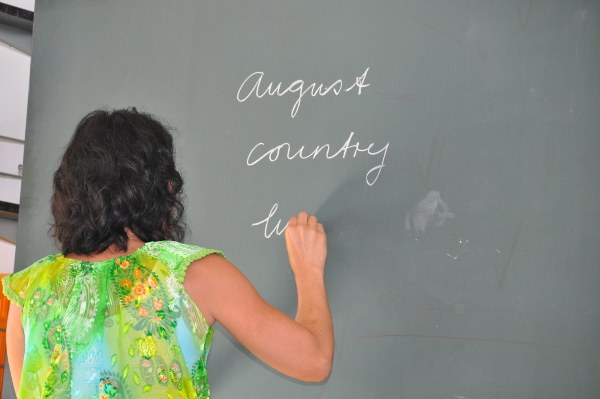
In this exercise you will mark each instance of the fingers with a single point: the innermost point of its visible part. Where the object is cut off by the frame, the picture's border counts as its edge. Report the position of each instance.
(293, 221)
(320, 228)
(304, 219)
(306, 243)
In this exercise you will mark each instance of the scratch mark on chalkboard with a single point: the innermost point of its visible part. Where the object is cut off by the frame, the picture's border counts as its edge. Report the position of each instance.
(501, 274)
(526, 21)
(476, 339)
(432, 149)
(432, 154)
(420, 170)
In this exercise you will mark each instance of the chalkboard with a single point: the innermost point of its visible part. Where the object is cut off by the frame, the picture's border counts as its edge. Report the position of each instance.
(451, 149)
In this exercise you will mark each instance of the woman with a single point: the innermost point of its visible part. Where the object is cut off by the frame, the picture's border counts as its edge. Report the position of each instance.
(126, 309)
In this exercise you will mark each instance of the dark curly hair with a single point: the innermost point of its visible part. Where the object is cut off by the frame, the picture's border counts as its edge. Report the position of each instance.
(118, 172)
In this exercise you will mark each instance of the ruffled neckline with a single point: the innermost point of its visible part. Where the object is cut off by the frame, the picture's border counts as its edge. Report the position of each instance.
(111, 261)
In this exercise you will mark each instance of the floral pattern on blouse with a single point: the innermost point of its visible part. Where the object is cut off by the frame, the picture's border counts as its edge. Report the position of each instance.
(118, 328)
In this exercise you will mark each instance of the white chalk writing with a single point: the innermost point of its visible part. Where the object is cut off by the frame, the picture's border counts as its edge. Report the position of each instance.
(252, 86)
(284, 151)
(277, 229)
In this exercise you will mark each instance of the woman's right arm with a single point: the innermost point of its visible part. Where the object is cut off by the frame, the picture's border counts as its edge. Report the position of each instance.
(301, 347)
(15, 344)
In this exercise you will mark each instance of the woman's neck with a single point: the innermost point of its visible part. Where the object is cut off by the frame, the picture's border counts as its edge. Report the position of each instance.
(133, 244)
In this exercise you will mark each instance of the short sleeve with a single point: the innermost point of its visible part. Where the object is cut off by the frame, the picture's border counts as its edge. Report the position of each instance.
(14, 287)
(178, 256)
(17, 286)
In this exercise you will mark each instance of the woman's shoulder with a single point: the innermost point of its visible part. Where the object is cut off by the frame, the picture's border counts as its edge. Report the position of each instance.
(17, 285)
(177, 256)
(41, 266)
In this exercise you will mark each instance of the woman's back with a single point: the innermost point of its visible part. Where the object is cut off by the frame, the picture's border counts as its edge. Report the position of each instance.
(115, 328)
(95, 325)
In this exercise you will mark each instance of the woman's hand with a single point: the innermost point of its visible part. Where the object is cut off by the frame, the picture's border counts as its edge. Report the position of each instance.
(306, 244)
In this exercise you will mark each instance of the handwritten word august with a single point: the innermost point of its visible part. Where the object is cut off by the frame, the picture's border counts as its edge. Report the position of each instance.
(252, 86)
(284, 150)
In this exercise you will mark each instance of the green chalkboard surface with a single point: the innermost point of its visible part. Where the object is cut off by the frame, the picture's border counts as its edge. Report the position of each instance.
(451, 149)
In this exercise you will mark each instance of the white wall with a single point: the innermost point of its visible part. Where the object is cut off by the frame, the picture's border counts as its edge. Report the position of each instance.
(14, 81)
(24, 4)
(14, 77)
(7, 256)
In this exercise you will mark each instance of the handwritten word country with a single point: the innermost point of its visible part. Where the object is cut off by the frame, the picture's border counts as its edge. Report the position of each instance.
(284, 151)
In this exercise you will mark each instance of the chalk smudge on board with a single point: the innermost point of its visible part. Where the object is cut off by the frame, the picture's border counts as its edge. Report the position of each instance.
(431, 210)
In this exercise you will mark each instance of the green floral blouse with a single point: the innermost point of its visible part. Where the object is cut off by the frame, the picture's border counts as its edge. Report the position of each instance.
(119, 328)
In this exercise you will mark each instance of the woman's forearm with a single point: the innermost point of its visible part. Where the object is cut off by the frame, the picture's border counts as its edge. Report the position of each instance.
(314, 314)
